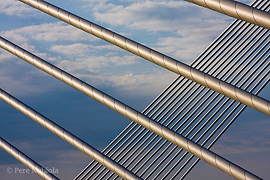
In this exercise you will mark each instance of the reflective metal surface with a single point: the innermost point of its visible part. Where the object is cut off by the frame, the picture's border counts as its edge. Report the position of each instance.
(161, 130)
(171, 64)
(237, 10)
(31, 164)
(241, 46)
(62, 133)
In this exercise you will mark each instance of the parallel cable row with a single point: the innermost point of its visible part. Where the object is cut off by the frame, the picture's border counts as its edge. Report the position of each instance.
(232, 39)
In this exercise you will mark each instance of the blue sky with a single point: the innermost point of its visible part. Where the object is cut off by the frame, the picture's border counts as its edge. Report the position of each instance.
(176, 28)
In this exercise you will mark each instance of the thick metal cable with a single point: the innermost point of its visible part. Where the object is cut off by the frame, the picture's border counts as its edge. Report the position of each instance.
(30, 163)
(193, 136)
(219, 124)
(68, 137)
(168, 134)
(206, 130)
(166, 91)
(197, 122)
(195, 125)
(237, 10)
(144, 146)
(171, 64)
(223, 131)
(267, 57)
(258, 77)
(236, 22)
(243, 69)
(135, 150)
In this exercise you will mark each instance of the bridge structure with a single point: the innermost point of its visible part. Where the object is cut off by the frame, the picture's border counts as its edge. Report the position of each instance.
(179, 127)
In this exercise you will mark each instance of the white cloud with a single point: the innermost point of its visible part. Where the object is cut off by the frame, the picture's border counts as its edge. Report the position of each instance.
(5, 55)
(74, 157)
(246, 1)
(18, 77)
(48, 32)
(16, 8)
(191, 28)
(100, 70)
(93, 64)
(72, 49)
(84, 61)
(257, 141)
(189, 43)
(156, 16)
(133, 85)
(95, 1)
(189, 25)
(85, 58)
(79, 48)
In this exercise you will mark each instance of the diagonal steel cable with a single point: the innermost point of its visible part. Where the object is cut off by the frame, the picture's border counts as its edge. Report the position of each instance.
(197, 122)
(191, 75)
(27, 161)
(127, 153)
(223, 131)
(166, 125)
(210, 48)
(135, 149)
(171, 64)
(179, 140)
(237, 10)
(67, 136)
(257, 78)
